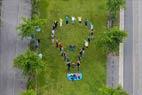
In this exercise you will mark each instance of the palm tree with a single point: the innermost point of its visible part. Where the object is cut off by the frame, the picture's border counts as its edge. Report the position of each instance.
(31, 66)
(31, 27)
(109, 40)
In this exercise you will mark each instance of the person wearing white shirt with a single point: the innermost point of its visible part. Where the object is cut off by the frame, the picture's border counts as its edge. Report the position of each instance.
(73, 19)
(86, 43)
(61, 22)
(53, 32)
(92, 27)
(79, 19)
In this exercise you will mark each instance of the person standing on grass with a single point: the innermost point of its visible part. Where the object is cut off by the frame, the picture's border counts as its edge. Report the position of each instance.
(79, 19)
(57, 44)
(67, 19)
(79, 57)
(91, 34)
(53, 32)
(73, 64)
(68, 66)
(53, 26)
(65, 56)
(62, 51)
(56, 24)
(60, 46)
(81, 53)
(91, 27)
(61, 22)
(73, 19)
(52, 38)
(67, 60)
(78, 65)
(86, 22)
(83, 50)
(86, 44)
(89, 39)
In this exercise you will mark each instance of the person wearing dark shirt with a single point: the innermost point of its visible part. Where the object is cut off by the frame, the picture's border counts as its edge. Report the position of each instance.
(79, 57)
(86, 22)
(68, 66)
(78, 65)
(56, 24)
(57, 44)
(89, 39)
(67, 19)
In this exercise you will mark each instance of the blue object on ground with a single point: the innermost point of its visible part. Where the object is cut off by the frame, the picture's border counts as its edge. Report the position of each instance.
(74, 76)
(72, 47)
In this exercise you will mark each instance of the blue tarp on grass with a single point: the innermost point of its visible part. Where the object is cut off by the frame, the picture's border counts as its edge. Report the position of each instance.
(74, 76)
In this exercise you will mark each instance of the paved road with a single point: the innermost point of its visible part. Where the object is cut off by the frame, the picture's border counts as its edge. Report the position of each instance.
(11, 81)
(128, 48)
(133, 47)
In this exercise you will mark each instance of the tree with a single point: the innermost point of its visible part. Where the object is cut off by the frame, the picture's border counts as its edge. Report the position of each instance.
(109, 40)
(31, 66)
(29, 92)
(113, 7)
(29, 27)
(29, 62)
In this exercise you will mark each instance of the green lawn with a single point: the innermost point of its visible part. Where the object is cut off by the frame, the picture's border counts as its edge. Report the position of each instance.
(93, 65)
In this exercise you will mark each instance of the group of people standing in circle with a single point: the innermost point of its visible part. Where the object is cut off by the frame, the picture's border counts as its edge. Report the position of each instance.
(59, 44)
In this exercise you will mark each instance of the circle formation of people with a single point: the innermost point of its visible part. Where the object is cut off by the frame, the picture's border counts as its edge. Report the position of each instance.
(58, 44)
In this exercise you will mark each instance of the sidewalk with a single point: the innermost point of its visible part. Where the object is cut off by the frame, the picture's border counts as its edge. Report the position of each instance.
(11, 81)
(115, 63)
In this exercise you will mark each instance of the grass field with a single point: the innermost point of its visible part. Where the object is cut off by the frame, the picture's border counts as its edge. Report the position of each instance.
(93, 65)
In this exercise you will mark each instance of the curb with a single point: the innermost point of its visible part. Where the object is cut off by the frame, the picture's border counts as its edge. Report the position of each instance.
(121, 49)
